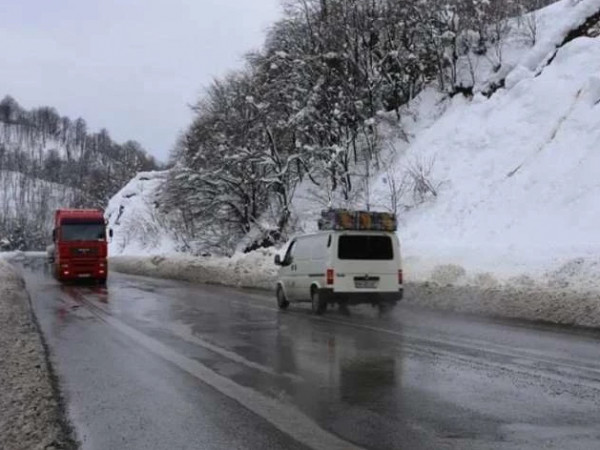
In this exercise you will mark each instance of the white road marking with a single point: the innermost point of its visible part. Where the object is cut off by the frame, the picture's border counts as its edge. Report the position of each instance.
(183, 332)
(286, 418)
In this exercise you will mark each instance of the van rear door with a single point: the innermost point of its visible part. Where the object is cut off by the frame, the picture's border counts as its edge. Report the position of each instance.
(366, 262)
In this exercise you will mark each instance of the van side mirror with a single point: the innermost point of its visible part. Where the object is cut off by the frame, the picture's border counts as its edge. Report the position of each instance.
(278, 260)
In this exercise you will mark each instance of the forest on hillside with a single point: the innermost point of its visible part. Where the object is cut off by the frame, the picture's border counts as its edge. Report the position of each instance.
(49, 161)
(306, 106)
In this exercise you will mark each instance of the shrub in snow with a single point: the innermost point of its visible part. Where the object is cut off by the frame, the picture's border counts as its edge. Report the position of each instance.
(422, 184)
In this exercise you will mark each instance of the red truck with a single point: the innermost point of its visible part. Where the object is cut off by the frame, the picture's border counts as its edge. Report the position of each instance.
(80, 246)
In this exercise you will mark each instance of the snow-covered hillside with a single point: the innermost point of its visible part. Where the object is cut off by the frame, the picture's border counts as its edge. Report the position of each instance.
(516, 172)
(133, 216)
(48, 161)
(26, 209)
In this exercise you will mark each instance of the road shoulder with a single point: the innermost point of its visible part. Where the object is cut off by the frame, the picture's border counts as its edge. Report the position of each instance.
(30, 414)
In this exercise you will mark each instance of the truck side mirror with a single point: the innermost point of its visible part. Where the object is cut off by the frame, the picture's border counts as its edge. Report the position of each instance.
(277, 260)
(54, 235)
(110, 232)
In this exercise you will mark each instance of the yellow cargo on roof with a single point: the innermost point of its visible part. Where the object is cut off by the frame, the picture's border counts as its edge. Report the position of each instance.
(343, 219)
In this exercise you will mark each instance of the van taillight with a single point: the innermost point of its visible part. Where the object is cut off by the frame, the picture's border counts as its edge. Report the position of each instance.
(400, 277)
(329, 276)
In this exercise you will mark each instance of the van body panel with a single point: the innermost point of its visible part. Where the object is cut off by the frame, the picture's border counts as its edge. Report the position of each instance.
(365, 265)
(312, 262)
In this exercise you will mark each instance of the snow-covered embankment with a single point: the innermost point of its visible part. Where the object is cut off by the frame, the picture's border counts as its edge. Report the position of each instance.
(253, 270)
(557, 296)
(30, 416)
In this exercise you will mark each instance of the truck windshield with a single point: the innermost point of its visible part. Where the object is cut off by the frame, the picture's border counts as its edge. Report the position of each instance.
(367, 247)
(83, 232)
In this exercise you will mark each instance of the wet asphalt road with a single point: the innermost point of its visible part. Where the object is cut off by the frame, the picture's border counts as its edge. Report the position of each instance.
(157, 364)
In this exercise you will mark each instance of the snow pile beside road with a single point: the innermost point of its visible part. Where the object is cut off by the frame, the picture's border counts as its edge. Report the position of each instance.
(521, 300)
(250, 270)
(561, 295)
(30, 415)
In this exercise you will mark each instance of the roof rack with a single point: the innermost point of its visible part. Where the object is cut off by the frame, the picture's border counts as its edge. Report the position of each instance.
(344, 219)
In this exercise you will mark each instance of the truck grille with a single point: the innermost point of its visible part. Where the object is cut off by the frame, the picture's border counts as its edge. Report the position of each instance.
(83, 252)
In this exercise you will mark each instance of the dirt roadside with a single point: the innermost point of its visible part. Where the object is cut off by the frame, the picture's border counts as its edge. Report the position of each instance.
(30, 409)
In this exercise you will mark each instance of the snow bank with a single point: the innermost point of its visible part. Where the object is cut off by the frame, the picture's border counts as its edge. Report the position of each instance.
(250, 270)
(522, 300)
(30, 416)
(562, 295)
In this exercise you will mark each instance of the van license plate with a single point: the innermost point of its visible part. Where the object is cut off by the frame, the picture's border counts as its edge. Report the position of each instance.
(365, 284)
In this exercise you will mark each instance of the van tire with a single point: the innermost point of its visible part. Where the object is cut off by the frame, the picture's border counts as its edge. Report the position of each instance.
(319, 306)
(282, 302)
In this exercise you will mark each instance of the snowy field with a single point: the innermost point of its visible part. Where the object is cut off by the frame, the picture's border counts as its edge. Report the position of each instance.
(517, 205)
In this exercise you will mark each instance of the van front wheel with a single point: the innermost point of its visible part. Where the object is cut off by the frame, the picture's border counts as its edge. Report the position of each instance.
(319, 306)
(282, 302)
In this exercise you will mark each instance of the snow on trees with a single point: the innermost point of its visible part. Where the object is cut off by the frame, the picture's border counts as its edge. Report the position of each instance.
(48, 161)
(306, 105)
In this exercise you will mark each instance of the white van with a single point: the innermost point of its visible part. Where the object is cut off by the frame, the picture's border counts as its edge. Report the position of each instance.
(345, 267)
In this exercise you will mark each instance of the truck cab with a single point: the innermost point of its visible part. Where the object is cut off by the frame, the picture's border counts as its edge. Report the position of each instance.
(79, 249)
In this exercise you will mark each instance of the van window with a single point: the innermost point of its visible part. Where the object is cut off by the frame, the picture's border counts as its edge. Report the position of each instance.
(366, 247)
(289, 254)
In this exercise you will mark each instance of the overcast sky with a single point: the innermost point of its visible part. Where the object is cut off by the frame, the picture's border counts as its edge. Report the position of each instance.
(131, 66)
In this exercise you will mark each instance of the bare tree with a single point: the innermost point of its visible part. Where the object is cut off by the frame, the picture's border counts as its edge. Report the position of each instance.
(528, 26)
(421, 182)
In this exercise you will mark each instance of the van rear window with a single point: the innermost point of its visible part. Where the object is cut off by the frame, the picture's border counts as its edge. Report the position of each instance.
(367, 247)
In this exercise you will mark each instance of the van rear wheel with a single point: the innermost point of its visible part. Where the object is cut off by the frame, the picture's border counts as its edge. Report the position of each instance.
(319, 306)
(282, 302)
